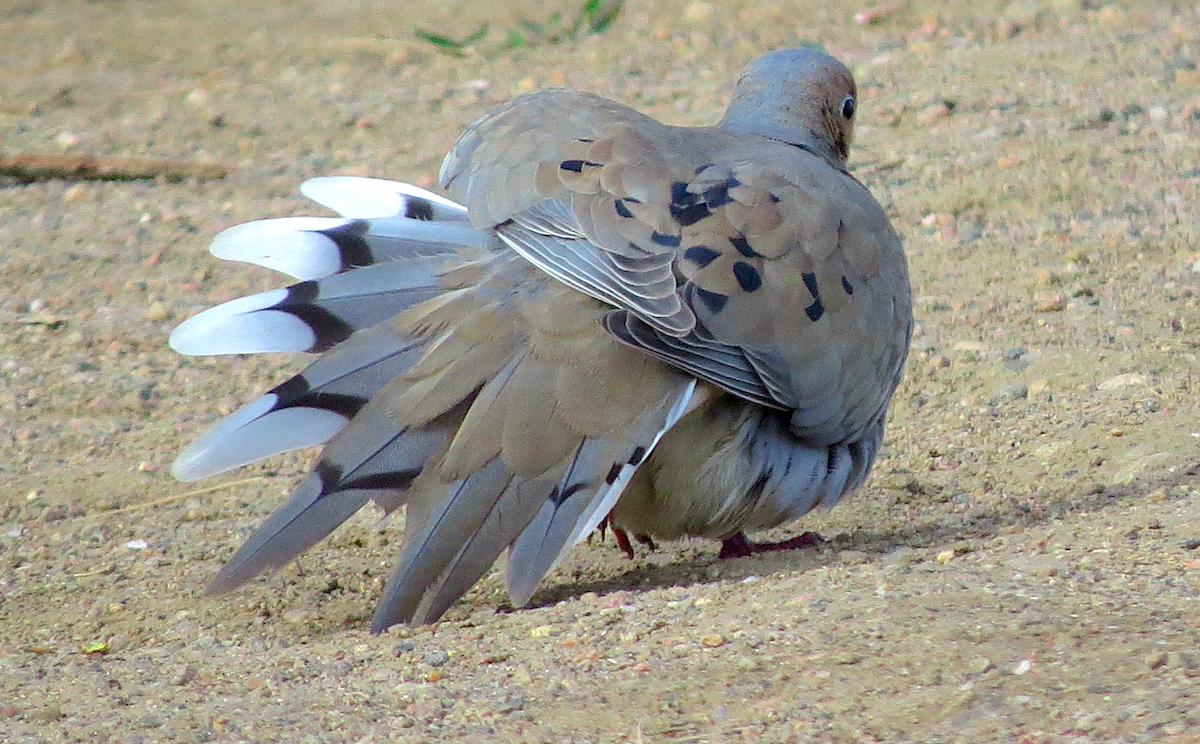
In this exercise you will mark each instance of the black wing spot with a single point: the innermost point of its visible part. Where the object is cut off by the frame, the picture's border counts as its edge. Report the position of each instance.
(418, 209)
(701, 255)
(743, 247)
(815, 310)
(639, 454)
(691, 214)
(664, 239)
(686, 208)
(717, 196)
(576, 166)
(714, 301)
(613, 473)
(747, 276)
(810, 281)
(846, 285)
(622, 209)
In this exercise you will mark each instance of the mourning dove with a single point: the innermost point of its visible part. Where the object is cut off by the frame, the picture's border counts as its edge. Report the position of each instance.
(686, 331)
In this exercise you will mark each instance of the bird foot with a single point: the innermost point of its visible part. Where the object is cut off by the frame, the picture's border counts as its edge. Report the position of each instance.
(622, 537)
(740, 546)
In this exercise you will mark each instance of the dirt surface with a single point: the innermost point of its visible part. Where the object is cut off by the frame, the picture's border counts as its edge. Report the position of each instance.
(1023, 566)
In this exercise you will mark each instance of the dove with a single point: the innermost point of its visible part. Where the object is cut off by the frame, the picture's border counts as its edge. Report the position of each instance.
(674, 331)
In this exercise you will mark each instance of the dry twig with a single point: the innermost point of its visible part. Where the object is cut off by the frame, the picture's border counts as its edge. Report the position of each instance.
(30, 168)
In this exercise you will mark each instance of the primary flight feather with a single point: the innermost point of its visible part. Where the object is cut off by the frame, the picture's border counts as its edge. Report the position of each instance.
(684, 331)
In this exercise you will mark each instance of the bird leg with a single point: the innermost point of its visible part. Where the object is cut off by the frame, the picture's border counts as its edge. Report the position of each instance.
(740, 546)
(622, 537)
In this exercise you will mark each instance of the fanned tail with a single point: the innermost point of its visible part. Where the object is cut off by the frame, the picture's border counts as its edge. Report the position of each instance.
(497, 419)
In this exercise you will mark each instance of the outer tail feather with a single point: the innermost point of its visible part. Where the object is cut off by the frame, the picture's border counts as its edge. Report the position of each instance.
(306, 410)
(370, 458)
(310, 316)
(366, 198)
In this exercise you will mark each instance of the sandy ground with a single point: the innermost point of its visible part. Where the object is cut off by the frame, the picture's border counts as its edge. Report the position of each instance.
(1024, 565)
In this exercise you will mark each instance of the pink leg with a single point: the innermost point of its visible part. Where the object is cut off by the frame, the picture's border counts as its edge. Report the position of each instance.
(740, 546)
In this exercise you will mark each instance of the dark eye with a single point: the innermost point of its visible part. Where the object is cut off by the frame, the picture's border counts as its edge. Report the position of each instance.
(848, 108)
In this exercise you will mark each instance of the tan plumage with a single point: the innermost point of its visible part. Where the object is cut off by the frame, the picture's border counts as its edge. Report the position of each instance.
(720, 314)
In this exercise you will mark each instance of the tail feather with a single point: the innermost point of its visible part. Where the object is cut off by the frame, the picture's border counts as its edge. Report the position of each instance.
(437, 525)
(366, 198)
(371, 458)
(310, 316)
(597, 475)
(306, 410)
(516, 506)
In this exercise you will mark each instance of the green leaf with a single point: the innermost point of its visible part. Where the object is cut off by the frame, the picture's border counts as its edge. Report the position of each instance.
(482, 32)
(437, 39)
(514, 39)
(446, 44)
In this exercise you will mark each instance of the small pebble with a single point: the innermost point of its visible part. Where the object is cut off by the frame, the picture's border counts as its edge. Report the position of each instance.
(1156, 659)
(436, 657)
(156, 311)
(713, 640)
(1049, 303)
(698, 12)
(48, 714)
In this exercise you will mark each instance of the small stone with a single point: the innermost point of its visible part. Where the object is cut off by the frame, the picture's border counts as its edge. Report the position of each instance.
(1008, 160)
(157, 311)
(185, 675)
(1010, 392)
(980, 665)
(199, 97)
(945, 556)
(48, 714)
(436, 657)
(698, 12)
(853, 557)
(1049, 303)
(1045, 278)
(1024, 666)
(933, 113)
(541, 631)
(713, 640)
(1126, 380)
(1156, 659)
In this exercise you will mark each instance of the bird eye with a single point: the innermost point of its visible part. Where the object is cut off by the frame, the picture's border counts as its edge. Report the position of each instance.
(848, 108)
